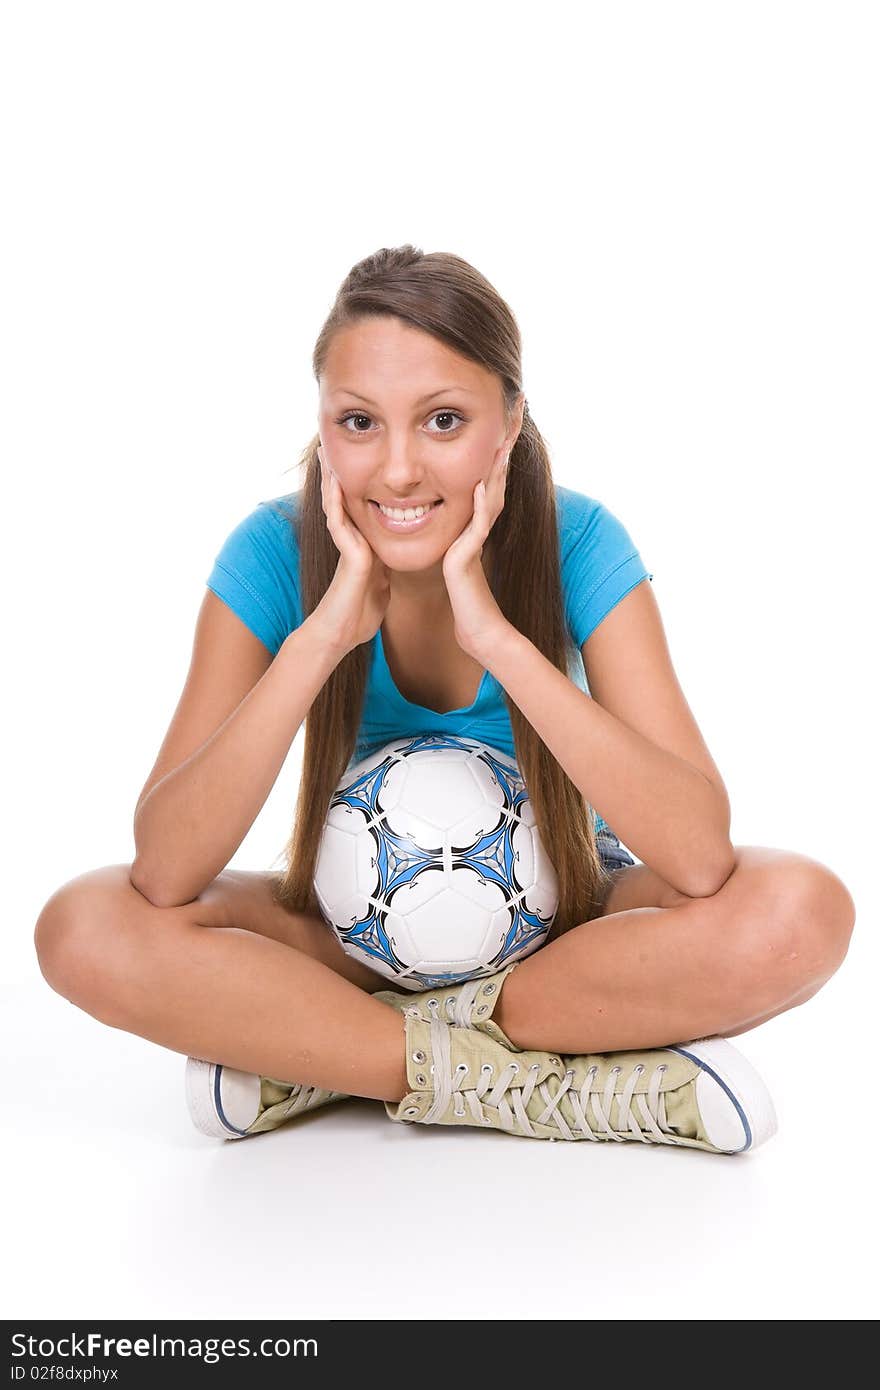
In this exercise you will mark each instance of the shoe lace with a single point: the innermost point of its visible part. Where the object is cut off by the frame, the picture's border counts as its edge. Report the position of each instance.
(458, 1007)
(303, 1096)
(510, 1098)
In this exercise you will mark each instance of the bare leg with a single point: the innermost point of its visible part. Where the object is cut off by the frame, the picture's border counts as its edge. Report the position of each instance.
(224, 994)
(651, 976)
(640, 978)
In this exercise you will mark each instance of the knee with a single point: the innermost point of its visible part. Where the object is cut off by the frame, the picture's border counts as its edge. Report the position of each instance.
(66, 933)
(796, 925)
(75, 940)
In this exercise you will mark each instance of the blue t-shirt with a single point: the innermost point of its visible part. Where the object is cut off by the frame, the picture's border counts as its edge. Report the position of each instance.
(256, 573)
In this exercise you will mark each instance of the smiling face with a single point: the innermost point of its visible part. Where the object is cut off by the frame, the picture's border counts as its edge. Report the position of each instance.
(405, 420)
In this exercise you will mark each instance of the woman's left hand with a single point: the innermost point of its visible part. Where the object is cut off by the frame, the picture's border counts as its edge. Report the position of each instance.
(478, 619)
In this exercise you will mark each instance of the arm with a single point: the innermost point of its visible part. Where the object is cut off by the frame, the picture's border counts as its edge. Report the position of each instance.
(675, 816)
(192, 821)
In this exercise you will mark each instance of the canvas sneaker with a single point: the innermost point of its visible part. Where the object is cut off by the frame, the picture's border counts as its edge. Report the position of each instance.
(703, 1094)
(229, 1104)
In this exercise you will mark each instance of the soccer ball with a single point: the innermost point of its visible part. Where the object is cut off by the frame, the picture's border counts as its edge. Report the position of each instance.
(431, 869)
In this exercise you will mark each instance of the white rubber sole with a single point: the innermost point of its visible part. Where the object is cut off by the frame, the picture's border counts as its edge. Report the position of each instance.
(222, 1102)
(735, 1106)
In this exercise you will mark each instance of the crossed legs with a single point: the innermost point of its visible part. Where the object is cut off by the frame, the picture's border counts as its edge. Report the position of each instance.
(235, 979)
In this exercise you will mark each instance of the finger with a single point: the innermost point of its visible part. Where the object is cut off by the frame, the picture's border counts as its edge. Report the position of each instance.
(336, 498)
(323, 469)
(332, 498)
(327, 473)
(338, 495)
(328, 477)
(498, 471)
(342, 516)
(328, 495)
(482, 510)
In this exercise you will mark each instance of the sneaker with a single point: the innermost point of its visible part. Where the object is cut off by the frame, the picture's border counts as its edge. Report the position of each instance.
(229, 1104)
(703, 1095)
(465, 1005)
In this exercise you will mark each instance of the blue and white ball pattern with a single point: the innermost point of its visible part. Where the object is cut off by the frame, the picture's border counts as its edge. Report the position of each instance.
(431, 869)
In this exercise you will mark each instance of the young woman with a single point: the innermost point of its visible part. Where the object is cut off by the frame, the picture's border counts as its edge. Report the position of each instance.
(348, 605)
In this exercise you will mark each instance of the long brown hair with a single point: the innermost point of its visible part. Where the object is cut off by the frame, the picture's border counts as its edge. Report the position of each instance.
(445, 296)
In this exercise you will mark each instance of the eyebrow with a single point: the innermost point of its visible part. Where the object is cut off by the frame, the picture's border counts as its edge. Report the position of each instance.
(444, 391)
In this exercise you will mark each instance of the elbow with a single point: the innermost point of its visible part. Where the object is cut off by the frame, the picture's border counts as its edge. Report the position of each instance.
(149, 889)
(712, 866)
(712, 879)
(138, 879)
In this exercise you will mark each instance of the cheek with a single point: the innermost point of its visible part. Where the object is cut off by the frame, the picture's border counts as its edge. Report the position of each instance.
(352, 480)
(463, 479)
(458, 506)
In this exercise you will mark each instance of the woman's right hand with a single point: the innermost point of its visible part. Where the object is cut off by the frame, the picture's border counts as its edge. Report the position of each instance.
(354, 606)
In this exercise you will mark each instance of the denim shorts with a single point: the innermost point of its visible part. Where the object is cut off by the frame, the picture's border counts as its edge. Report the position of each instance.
(611, 851)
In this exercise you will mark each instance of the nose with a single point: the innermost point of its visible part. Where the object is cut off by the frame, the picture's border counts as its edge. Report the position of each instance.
(400, 472)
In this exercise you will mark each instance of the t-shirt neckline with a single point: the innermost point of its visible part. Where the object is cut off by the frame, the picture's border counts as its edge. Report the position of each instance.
(425, 709)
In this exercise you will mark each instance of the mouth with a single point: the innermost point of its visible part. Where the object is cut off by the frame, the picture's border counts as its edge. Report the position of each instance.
(401, 524)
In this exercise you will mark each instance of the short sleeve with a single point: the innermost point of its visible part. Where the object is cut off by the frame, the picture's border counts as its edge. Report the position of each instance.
(599, 561)
(256, 572)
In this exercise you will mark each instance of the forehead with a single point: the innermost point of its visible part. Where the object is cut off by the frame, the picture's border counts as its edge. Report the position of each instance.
(382, 357)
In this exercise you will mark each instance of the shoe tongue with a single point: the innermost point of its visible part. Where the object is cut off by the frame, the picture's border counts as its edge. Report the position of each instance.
(272, 1092)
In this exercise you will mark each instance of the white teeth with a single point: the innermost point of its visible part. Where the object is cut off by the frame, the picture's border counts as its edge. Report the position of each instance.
(407, 514)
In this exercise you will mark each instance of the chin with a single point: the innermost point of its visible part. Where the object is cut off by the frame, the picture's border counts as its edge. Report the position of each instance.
(414, 564)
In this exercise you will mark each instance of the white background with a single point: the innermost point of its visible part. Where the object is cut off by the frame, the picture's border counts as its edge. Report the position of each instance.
(679, 202)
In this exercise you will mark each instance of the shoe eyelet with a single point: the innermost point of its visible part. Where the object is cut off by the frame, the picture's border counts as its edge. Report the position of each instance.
(639, 1069)
(488, 989)
(432, 1002)
(421, 1080)
(419, 1057)
(514, 1067)
(411, 1110)
(462, 1067)
(484, 1008)
(534, 1067)
(569, 1071)
(486, 1067)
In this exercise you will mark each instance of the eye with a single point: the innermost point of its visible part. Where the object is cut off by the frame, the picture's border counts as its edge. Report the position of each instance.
(353, 415)
(446, 415)
(437, 415)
